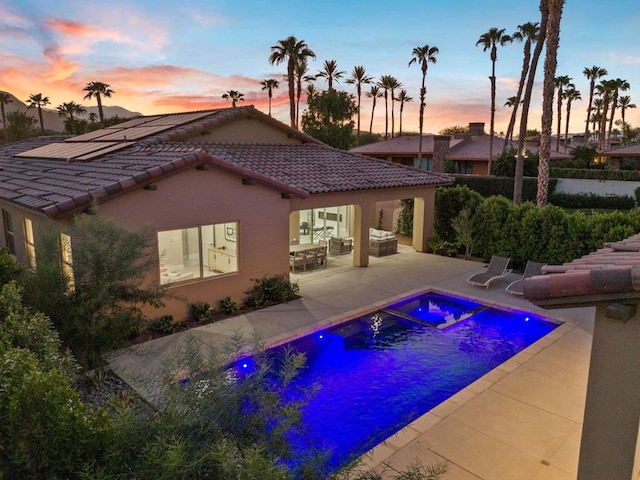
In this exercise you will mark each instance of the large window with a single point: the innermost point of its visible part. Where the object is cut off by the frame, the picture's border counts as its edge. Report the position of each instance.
(320, 224)
(30, 245)
(66, 257)
(464, 168)
(425, 164)
(9, 237)
(198, 252)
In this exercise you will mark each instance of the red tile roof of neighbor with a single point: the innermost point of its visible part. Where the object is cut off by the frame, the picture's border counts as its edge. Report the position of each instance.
(604, 276)
(632, 150)
(57, 187)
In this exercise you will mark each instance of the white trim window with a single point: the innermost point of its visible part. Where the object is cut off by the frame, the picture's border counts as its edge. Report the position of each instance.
(198, 252)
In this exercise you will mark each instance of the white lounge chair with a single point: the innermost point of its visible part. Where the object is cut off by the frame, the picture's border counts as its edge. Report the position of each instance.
(497, 269)
(531, 270)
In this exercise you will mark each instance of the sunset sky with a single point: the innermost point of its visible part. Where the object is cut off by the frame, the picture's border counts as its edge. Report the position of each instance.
(164, 56)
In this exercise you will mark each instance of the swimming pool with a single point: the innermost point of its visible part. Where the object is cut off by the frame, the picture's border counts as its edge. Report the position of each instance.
(379, 372)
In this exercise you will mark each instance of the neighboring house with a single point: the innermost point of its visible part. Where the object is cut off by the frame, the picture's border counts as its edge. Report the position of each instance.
(623, 157)
(226, 191)
(469, 151)
(609, 280)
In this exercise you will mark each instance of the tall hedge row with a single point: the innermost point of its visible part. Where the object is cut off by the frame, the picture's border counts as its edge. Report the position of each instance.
(487, 186)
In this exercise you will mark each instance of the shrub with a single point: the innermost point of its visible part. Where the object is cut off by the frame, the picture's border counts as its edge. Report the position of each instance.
(489, 186)
(9, 269)
(489, 219)
(229, 306)
(271, 290)
(504, 164)
(450, 201)
(202, 312)
(405, 218)
(163, 324)
(637, 194)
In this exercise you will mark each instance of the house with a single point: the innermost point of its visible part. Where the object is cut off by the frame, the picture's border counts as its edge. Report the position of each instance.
(609, 280)
(627, 156)
(469, 151)
(226, 192)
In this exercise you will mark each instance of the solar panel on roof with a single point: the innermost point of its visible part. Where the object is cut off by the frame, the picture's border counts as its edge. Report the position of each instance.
(134, 133)
(133, 122)
(113, 148)
(90, 136)
(63, 151)
(178, 119)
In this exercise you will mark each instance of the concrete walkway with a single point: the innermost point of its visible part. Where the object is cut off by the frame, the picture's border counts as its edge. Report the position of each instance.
(522, 420)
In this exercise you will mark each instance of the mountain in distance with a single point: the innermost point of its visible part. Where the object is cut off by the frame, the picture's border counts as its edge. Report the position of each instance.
(51, 119)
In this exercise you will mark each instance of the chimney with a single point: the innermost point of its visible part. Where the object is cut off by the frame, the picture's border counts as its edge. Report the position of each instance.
(440, 152)
(476, 128)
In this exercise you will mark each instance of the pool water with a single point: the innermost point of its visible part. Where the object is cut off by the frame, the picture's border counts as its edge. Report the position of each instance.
(379, 372)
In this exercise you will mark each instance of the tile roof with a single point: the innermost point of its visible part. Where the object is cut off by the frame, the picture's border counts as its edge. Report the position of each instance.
(403, 145)
(632, 150)
(609, 274)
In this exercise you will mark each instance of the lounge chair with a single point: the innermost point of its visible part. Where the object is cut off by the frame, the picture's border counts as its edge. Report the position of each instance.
(497, 269)
(531, 270)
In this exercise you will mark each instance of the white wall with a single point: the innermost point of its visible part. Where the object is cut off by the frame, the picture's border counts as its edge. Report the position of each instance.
(597, 187)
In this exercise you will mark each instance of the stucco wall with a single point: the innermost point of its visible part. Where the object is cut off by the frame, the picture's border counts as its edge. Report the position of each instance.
(208, 197)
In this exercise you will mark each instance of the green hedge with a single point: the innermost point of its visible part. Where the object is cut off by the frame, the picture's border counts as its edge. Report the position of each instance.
(488, 186)
(591, 200)
(595, 174)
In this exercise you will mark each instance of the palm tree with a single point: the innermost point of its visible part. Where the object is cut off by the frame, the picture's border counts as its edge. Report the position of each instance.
(393, 85)
(424, 56)
(38, 101)
(561, 82)
(234, 96)
(358, 78)
(299, 71)
(490, 41)
(605, 90)
(592, 74)
(618, 85)
(570, 94)
(624, 102)
(93, 116)
(527, 32)
(98, 90)
(69, 109)
(270, 85)
(310, 91)
(292, 51)
(526, 102)
(596, 113)
(512, 102)
(385, 83)
(374, 93)
(550, 64)
(330, 72)
(5, 99)
(403, 97)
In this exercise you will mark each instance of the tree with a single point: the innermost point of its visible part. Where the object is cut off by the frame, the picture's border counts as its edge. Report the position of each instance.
(618, 85)
(592, 74)
(526, 102)
(270, 85)
(527, 32)
(234, 96)
(292, 51)
(98, 90)
(624, 102)
(38, 101)
(605, 89)
(5, 99)
(403, 97)
(374, 93)
(329, 118)
(490, 41)
(512, 102)
(93, 116)
(393, 85)
(300, 71)
(310, 91)
(452, 130)
(550, 64)
(330, 72)
(70, 110)
(571, 94)
(20, 126)
(560, 83)
(358, 78)
(385, 82)
(423, 55)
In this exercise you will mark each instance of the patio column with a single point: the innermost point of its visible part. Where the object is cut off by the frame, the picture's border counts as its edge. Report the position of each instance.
(423, 218)
(362, 217)
(612, 407)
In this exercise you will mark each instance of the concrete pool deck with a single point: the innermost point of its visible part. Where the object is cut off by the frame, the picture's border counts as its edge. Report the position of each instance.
(522, 420)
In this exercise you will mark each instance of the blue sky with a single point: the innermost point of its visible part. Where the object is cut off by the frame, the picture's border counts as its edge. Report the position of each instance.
(162, 56)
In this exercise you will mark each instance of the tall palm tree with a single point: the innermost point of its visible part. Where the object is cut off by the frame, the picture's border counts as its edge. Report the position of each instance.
(330, 72)
(423, 56)
(596, 113)
(490, 41)
(570, 94)
(527, 33)
(526, 102)
(624, 102)
(393, 85)
(358, 78)
(234, 96)
(270, 85)
(98, 90)
(38, 101)
(310, 91)
(605, 90)
(592, 74)
(512, 102)
(403, 97)
(385, 83)
(93, 116)
(300, 71)
(374, 93)
(560, 83)
(618, 85)
(290, 50)
(550, 65)
(69, 109)
(5, 99)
